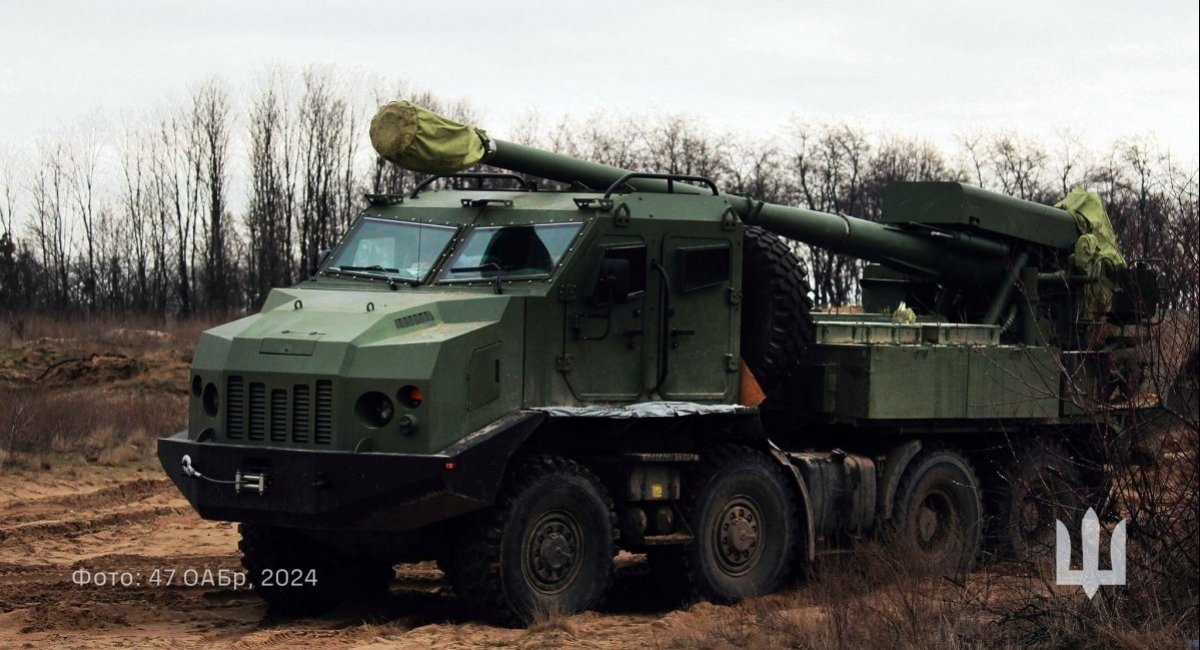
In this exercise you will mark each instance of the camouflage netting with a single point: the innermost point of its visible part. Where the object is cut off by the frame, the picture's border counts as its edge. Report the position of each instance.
(422, 141)
(1096, 252)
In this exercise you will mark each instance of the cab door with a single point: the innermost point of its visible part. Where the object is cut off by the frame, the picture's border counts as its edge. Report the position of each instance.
(605, 330)
(699, 352)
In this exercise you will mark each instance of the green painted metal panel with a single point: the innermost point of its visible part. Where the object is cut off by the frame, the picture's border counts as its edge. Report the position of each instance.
(700, 334)
(883, 381)
(1013, 382)
(917, 382)
(484, 376)
(966, 206)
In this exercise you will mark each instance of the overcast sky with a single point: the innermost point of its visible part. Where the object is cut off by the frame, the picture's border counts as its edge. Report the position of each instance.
(1102, 68)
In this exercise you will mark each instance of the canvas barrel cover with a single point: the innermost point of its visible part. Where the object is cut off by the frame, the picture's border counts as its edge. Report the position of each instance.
(1096, 252)
(420, 140)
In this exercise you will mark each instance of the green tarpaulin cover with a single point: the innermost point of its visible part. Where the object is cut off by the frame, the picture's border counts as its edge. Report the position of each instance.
(422, 141)
(1096, 252)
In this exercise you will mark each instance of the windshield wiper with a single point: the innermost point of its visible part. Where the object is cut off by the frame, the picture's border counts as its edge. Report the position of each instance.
(486, 266)
(373, 267)
(374, 271)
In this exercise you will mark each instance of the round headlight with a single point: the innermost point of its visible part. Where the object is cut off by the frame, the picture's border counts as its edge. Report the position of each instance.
(374, 409)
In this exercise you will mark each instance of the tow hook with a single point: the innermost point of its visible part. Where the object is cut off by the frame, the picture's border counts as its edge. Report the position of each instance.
(242, 481)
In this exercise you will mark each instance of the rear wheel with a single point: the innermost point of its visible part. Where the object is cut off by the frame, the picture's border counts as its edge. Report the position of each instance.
(938, 518)
(743, 519)
(546, 547)
(1040, 486)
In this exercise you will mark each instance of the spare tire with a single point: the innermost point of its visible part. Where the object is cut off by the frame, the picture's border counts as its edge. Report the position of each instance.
(777, 325)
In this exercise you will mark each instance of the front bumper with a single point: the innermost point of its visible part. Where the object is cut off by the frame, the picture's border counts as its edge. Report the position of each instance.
(343, 489)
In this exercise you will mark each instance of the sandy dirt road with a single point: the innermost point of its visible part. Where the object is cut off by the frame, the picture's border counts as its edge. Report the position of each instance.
(55, 523)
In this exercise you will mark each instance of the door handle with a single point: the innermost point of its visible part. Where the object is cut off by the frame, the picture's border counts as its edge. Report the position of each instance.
(675, 334)
(631, 336)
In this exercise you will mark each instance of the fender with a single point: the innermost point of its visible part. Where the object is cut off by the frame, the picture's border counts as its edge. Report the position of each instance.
(894, 464)
(804, 509)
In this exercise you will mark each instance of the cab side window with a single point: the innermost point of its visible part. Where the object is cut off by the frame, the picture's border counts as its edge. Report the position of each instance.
(622, 275)
(703, 266)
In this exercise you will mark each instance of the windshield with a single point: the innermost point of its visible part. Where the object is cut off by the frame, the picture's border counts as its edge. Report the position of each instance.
(391, 248)
(510, 252)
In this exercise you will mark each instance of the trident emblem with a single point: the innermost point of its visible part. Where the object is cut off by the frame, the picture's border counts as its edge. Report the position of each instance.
(1090, 577)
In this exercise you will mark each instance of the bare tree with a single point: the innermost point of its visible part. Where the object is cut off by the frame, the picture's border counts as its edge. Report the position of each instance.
(211, 124)
(1071, 162)
(8, 194)
(9, 275)
(321, 124)
(81, 159)
(272, 191)
(138, 215)
(176, 181)
(1017, 164)
(50, 224)
(828, 162)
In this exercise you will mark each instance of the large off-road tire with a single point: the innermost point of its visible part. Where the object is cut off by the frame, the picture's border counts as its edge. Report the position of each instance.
(742, 514)
(938, 518)
(777, 325)
(546, 546)
(1033, 490)
(293, 562)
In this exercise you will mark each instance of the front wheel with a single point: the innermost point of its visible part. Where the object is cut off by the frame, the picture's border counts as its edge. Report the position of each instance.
(545, 548)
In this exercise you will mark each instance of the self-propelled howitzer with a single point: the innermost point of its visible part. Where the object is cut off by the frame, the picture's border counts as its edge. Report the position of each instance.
(519, 383)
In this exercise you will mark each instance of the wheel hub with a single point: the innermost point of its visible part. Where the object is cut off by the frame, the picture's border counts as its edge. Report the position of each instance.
(556, 551)
(551, 552)
(737, 531)
(926, 524)
(1033, 518)
(934, 524)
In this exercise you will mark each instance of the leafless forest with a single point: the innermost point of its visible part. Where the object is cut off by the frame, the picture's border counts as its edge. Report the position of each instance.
(200, 205)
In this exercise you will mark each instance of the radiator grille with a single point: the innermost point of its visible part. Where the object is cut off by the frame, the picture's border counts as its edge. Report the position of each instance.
(235, 407)
(279, 415)
(257, 410)
(323, 422)
(301, 411)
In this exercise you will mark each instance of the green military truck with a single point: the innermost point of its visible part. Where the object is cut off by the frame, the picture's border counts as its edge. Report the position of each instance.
(519, 383)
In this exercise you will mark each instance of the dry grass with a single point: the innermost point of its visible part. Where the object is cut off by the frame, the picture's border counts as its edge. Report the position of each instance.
(874, 599)
(100, 390)
(17, 328)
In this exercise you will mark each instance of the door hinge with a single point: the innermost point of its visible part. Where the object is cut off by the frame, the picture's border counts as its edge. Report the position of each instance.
(734, 296)
(732, 363)
(621, 216)
(565, 363)
(592, 203)
(729, 220)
